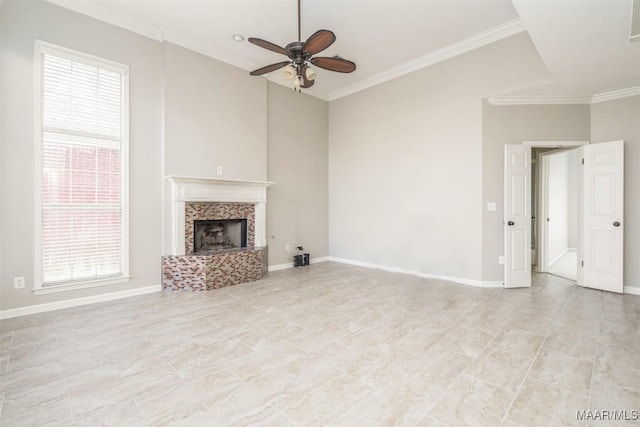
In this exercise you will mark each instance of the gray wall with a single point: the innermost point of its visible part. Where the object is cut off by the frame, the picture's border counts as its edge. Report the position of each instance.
(22, 23)
(405, 162)
(215, 115)
(297, 207)
(512, 125)
(611, 121)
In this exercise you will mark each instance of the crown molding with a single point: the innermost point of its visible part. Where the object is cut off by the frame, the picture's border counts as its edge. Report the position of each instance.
(463, 46)
(539, 100)
(616, 94)
(559, 100)
(108, 16)
(190, 43)
(163, 34)
(152, 31)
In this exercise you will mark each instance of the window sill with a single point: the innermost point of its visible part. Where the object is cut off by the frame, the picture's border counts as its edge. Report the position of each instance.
(80, 285)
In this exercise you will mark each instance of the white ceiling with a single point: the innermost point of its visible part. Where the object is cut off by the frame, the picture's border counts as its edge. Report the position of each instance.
(584, 44)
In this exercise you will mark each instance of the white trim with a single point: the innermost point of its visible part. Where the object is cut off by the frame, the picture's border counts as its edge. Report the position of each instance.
(565, 100)
(632, 290)
(79, 285)
(43, 308)
(542, 188)
(165, 34)
(464, 281)
(37, 161)
(463, 46)
(153, 31)
(280, 266)
(616, 94)
(539, 100)
(554, 144)
(492, 284)
(190, 43)
(634, 31)
(542, 226)
(43, 47)
(290, 264)
(124, 173)
(111, 17)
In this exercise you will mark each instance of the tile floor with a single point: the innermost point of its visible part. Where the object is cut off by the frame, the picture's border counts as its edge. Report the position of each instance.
(327, 344)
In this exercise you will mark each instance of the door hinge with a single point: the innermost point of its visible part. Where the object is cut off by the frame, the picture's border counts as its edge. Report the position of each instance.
(583, 161)
(581, 263)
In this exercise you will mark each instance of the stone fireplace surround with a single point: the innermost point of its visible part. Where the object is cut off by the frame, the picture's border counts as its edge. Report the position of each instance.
(195, 199)
(195, 211)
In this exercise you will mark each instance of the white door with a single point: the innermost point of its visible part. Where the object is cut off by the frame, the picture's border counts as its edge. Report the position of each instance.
(517, 216)
(603, 225)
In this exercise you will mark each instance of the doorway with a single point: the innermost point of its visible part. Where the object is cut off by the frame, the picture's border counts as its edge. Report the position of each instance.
(555, 208)
(600, 214)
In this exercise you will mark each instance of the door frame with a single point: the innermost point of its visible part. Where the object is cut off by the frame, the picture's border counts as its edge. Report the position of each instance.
(542, 199)
(542, 179)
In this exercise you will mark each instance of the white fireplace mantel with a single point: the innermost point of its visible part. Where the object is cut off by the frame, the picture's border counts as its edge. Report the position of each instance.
(188, 189)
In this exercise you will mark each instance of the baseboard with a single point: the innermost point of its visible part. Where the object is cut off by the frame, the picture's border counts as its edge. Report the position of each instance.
(492, 284)
(632, 290)
(58, 305)
(464, 281)
(280, 266)
(556, 259)
(290, 264)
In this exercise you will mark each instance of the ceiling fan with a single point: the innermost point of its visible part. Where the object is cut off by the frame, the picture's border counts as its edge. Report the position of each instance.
(301, 57)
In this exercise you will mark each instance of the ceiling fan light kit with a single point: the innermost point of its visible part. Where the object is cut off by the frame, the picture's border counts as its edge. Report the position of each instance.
(301, 57)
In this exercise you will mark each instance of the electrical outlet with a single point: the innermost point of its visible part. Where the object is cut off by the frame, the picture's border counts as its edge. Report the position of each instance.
(18, 282)
(501, 259)
(219, 170)
(287, 247)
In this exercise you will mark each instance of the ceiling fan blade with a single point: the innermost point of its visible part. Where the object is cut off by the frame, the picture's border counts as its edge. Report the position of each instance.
(268, 45)
(306, 83)
(334, 64)
(269, 68)
(319, 41)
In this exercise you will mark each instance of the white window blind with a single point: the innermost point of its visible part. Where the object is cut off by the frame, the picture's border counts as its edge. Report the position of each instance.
(82, 186)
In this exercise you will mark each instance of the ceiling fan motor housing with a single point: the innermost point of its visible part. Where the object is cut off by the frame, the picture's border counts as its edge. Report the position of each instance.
(297, 53)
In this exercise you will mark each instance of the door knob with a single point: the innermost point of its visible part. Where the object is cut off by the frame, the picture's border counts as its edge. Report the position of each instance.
(616, 224)
(511, 223)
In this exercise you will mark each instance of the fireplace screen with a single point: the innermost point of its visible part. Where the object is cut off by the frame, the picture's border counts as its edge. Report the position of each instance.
(213, 235)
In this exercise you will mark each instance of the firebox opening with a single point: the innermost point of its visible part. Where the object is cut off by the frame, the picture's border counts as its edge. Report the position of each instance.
(218, 234)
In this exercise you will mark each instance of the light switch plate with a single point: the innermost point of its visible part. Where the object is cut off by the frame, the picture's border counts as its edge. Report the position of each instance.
(491, 206)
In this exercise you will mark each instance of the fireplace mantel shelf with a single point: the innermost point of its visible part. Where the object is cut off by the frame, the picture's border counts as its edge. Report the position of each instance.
(216, 181)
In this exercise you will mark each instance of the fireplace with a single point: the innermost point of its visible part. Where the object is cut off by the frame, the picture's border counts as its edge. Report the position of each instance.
(229, 245)
(236, 219)
(219, 234)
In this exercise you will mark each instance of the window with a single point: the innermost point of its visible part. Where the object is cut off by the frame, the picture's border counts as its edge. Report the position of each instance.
(81, 160)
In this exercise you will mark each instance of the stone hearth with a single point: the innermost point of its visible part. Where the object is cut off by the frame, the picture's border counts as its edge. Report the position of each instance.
(213, 270)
